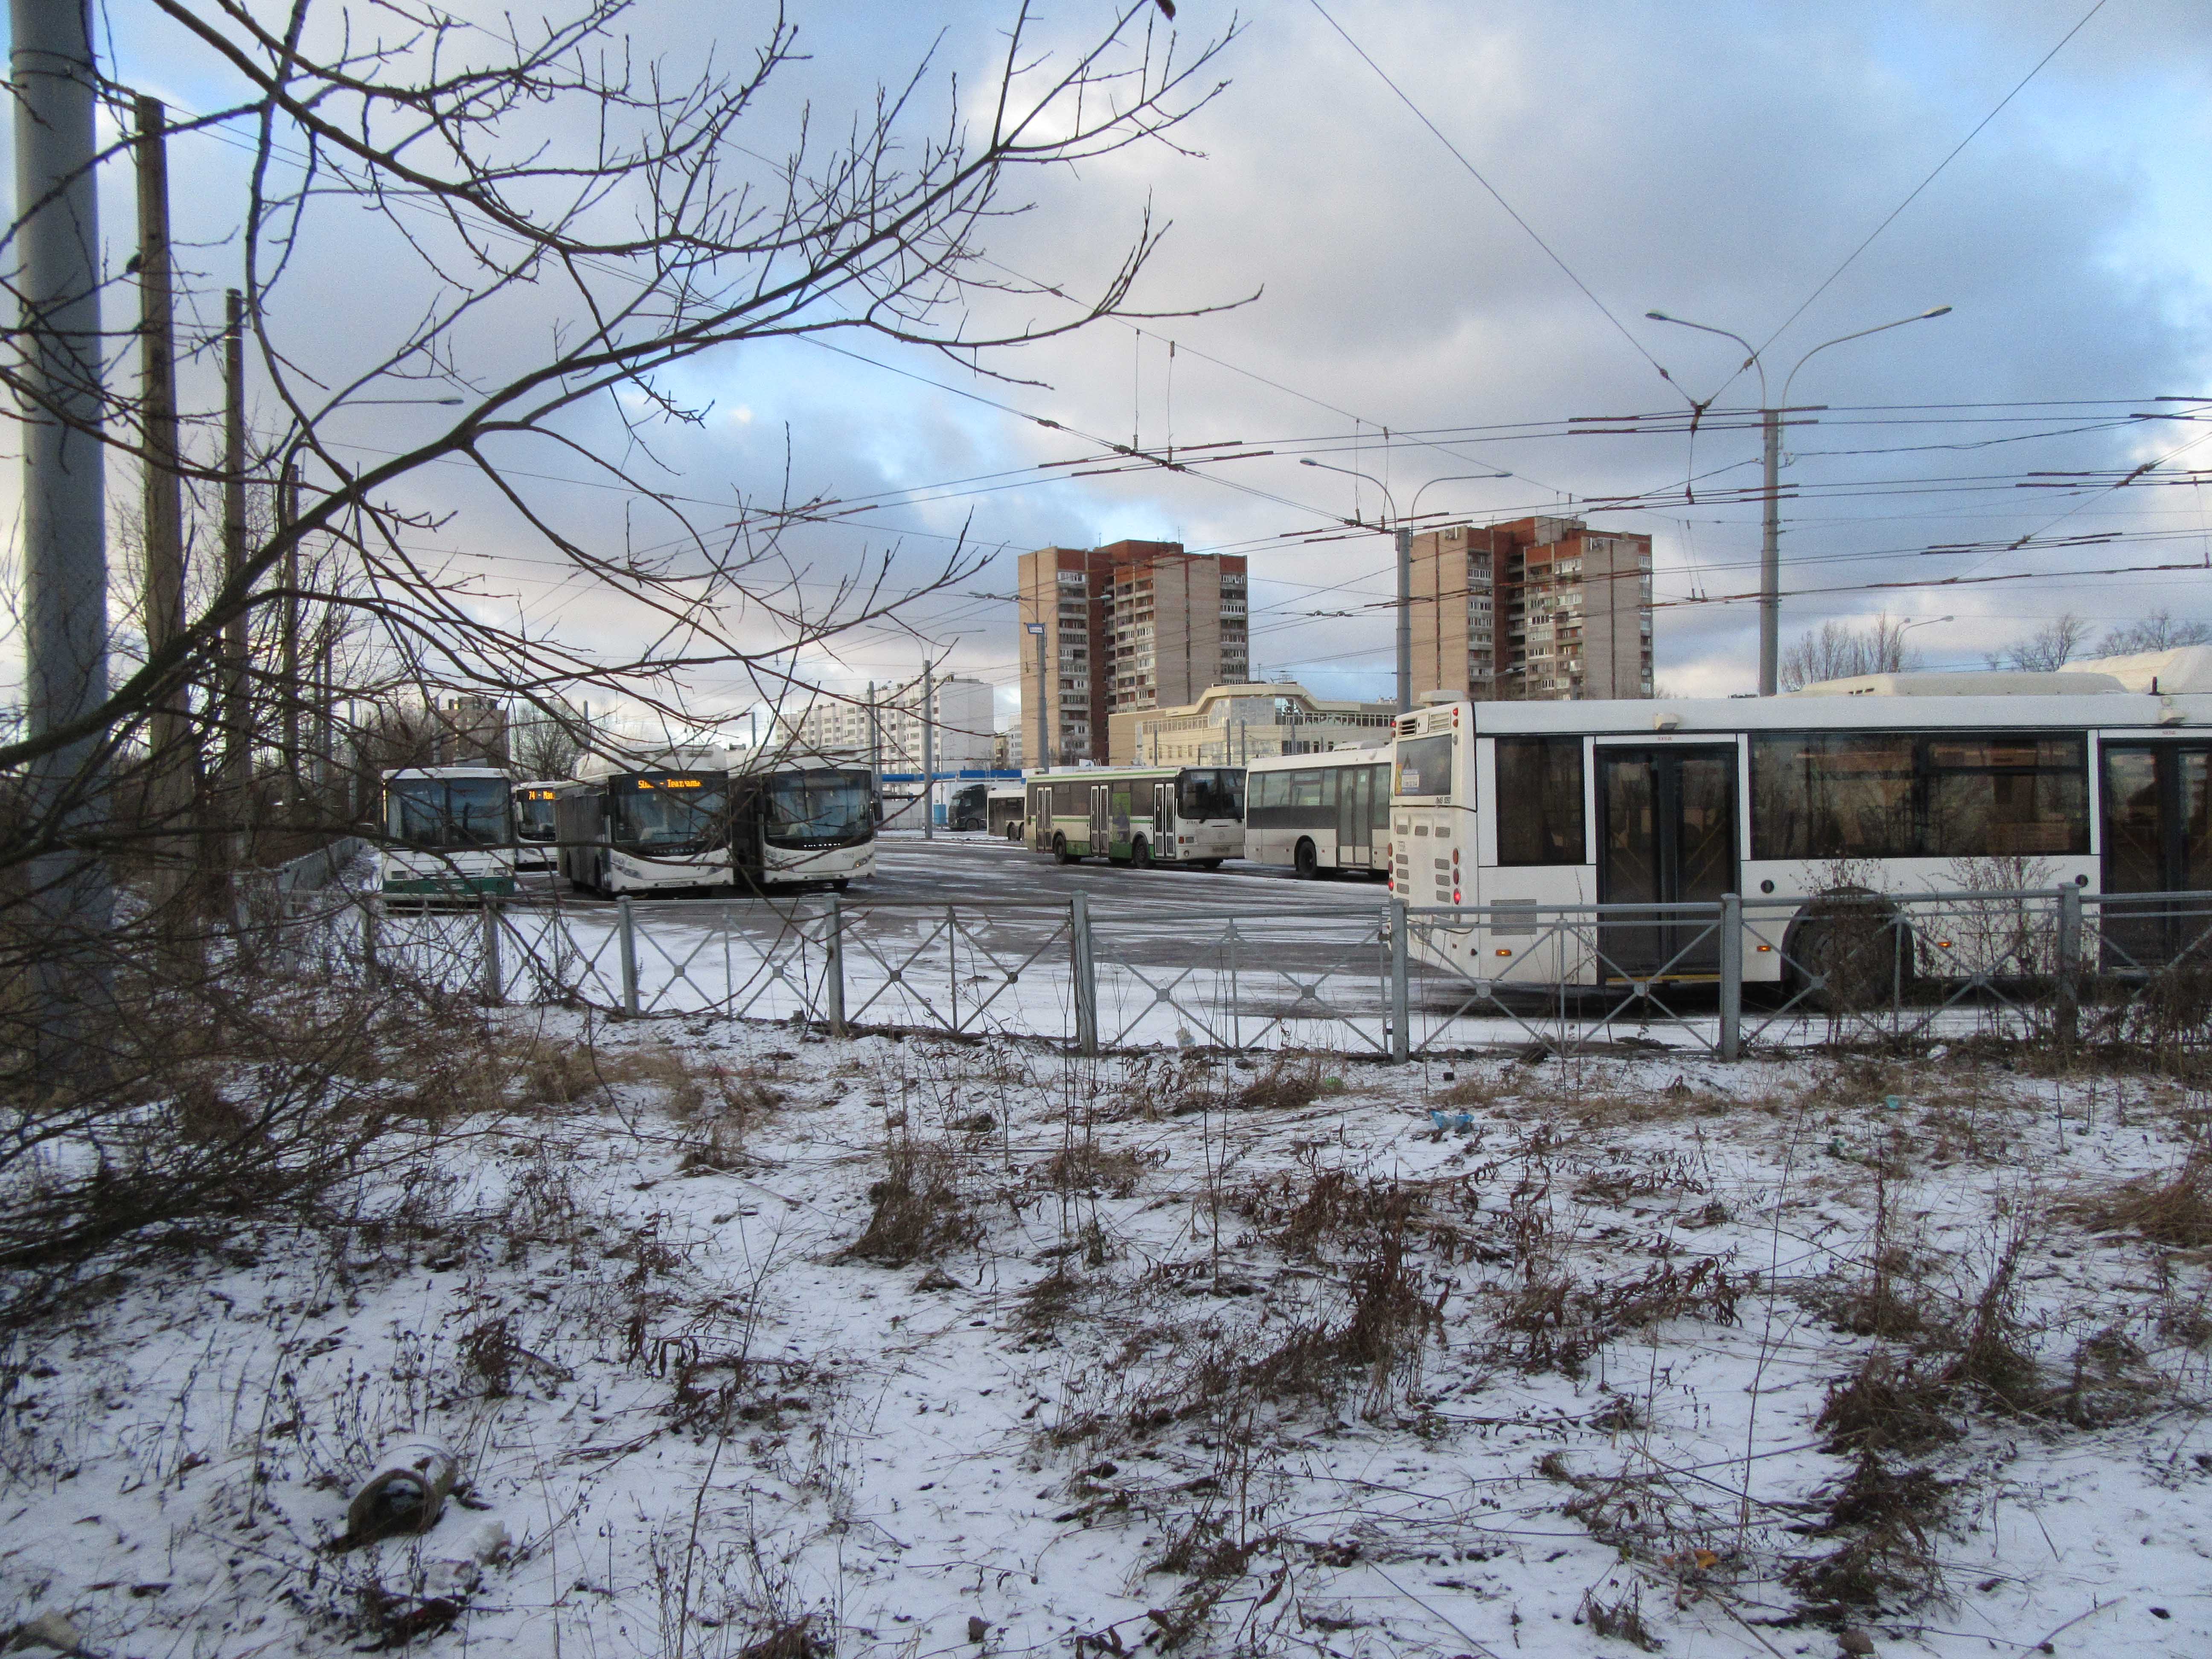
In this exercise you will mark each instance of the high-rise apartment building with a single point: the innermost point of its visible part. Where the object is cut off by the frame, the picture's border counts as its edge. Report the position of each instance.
(1535, 609)
(1131, 625)
(960, 707)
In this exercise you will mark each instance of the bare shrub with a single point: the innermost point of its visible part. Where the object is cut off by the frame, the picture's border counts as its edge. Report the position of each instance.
(1290, 1082)
(489, 1352)
(1621, 1619)
(920, 1210)
(1555, 1322)
(1888, 1404)
(1886, 1517)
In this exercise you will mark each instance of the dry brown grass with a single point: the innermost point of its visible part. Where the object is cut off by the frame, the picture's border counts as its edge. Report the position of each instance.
(1552, 1321)
(2176, 1210)
(921, 1209)
(1884, 1517)
(1290, 1083)
(1888, 1404)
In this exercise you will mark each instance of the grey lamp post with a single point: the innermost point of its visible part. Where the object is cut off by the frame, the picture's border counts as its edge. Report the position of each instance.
(1405, 545)
(1770, 549)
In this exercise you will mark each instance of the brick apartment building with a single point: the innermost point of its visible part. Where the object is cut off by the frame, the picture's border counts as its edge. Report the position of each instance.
(1535, 609)
(1129, 626)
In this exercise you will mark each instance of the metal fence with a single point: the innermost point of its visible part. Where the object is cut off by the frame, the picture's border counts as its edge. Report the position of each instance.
(1387, 980)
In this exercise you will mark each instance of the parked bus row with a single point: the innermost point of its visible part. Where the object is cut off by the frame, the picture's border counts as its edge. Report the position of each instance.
(682, 820)
(1890, 785)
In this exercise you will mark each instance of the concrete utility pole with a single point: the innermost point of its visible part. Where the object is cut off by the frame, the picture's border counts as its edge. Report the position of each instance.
(875, 751)
(1042, 760)
(928, 760)
(173, 771)
(1770, 560)
(64, 538)
(237, 710)
(1405, 617)
(1770, 414)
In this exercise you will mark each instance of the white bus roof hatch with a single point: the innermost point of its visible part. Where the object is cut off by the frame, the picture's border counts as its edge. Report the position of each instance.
(1995, 683)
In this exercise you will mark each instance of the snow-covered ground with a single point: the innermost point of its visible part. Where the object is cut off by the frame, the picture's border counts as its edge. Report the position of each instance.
(954, 1348)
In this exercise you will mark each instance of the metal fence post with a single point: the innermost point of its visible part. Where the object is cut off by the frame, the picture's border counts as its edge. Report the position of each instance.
(833, 969)
(1731, 1043)
(495, 983)
(1401, 999)
(2069, 966)
(626, 926)
(1086, 977)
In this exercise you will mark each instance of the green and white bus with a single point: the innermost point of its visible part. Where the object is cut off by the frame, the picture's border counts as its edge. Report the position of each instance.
(1139, 815)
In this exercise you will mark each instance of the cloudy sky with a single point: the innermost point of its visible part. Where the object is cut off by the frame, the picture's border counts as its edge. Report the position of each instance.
(1385, 311)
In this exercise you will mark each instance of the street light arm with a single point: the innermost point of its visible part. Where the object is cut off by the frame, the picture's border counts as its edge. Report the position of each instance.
(1751, 352)
(1879, 328)
(1414, 511)
(1353, 473)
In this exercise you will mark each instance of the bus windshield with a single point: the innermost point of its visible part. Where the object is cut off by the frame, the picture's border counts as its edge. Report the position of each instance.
(533, 814)
(1208, 793)
(818, 806)
(669, 813)
(445, 812)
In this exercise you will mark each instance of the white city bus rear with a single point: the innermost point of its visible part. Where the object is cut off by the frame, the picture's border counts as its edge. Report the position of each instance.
(1886, 786)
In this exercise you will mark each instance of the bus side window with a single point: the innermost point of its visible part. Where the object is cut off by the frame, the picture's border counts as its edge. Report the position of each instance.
(1540, 800)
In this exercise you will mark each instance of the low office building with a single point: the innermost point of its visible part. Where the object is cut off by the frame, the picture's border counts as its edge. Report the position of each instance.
(1230, 725)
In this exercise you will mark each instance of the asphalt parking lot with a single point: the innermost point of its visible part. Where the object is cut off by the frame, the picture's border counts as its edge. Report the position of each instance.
(973, 868)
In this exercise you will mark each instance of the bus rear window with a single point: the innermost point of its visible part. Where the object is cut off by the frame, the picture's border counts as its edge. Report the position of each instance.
(1425, 765)
(1540, 800)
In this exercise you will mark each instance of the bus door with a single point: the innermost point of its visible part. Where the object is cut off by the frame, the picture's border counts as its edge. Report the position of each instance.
(1163, 817)
(1355, 813)
(1666, 836)
(1101, 817)
(2157, 839)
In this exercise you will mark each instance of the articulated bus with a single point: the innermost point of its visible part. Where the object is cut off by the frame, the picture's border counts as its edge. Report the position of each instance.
(685, 821)
(1316, 812)
(1890, 784)
(450, 832)
(535, 832)
(1139, 815)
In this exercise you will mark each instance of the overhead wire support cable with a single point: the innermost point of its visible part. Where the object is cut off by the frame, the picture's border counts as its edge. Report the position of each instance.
(1496, 196)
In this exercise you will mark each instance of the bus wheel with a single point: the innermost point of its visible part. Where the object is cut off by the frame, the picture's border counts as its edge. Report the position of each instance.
(1140, 854)
(1849, 951)
(841, 883)
(1060, 852)
(1305, 863)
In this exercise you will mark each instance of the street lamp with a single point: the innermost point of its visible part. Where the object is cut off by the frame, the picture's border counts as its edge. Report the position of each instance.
(1405, 544)
(1770, 415)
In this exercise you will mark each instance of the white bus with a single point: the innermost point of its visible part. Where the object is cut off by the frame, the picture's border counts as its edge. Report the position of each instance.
(1139, 815)
(449, 832)
(1007, 804)
(1892, 783)
(1316, 812)
(804, 818)
(647, 822)
(685, 820)
(535, 830)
